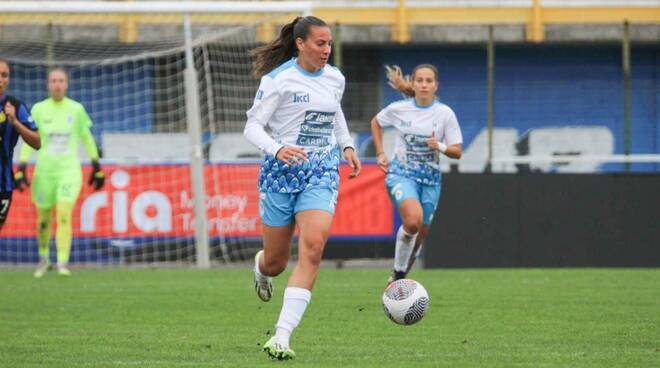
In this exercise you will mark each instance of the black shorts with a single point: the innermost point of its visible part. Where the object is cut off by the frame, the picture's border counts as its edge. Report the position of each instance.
(5, 205)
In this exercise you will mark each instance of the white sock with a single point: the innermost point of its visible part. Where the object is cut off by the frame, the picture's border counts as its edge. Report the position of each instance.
(260, 277)
(404, 246)
(293, 308)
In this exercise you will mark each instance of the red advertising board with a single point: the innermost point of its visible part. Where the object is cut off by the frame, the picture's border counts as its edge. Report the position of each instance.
(156, 200)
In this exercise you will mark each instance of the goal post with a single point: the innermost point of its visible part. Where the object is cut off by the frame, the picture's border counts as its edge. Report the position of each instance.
(181, 66)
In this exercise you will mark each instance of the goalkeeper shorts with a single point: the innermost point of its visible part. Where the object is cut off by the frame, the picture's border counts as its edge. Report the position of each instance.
(48, 190)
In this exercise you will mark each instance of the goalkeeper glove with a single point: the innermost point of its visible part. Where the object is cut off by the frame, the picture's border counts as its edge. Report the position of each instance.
(20, 178)
(97, 179)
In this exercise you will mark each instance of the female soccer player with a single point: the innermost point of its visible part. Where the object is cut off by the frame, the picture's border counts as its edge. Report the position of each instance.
(57, 178)
(425, 128)
(299, 101)
(15, 120)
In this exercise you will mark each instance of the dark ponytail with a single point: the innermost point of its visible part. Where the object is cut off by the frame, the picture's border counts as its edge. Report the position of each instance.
(283, 48)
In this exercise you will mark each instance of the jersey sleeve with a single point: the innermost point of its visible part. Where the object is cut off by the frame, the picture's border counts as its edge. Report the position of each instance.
(342, 134)
(266, 101)
(452, 131)
(386, 117)
(23, 115)
(83, 118)
(85, 124)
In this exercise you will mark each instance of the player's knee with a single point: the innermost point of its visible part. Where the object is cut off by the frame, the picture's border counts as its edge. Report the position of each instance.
(313, 251)
(273, 266)
(412, 224)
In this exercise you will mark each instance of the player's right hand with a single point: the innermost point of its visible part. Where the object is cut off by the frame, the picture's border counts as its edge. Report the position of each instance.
(382, 162)
(20, 178)
(291, 155)
(10, 111)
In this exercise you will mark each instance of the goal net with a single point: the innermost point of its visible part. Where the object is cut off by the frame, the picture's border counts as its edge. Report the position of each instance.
(126, 64)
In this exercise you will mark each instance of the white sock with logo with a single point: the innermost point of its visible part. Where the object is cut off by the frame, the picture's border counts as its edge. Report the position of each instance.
(295, 302)
(404, 246)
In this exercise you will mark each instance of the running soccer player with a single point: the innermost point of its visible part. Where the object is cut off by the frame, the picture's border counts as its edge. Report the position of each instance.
(57, 177)
(299, 100)
(425, 127)
(15, 120)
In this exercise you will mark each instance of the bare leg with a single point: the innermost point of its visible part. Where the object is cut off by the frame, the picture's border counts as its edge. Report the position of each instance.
(314, 231)
(277, 248)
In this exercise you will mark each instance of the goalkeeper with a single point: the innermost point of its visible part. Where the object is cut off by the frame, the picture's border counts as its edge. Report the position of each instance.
(57, 180)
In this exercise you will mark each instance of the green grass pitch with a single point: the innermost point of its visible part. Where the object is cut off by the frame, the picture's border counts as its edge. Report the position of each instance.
(192, 318)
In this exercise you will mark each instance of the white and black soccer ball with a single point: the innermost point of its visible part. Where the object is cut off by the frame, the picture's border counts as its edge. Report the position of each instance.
(405, 301)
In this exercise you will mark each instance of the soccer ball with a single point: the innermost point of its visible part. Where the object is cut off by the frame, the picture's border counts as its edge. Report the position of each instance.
(405, 301)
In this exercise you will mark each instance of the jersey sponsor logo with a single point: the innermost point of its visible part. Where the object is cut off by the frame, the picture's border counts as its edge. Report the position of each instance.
(406, 124)
(260, 95)
(417, 150)
(316, 129)
(319, 117)
(300, 97)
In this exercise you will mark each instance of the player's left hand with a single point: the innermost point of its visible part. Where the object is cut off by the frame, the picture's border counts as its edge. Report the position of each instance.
(97, 179)
(20, 177)
(10, 111)
(353, 161)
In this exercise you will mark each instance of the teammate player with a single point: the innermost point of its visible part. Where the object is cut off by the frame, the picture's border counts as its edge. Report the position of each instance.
(299, 101)
(57, 177)
(15, 120)
(425, 127)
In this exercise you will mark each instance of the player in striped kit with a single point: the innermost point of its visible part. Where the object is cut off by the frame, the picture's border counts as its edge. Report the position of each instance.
(425, 129)
(57, 179)
(15, 121)
(299, 101)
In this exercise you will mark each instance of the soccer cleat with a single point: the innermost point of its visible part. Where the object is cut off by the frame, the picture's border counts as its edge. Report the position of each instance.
(278, 351)
(262, 284)
(396, 275)
(63, 271)
(43, 267)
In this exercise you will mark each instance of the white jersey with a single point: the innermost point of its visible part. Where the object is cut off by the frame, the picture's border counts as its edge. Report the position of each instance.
(415, 125)
(300, 108)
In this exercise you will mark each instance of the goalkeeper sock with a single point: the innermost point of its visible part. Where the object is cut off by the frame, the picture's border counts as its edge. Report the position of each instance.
(43, 231)
(64, 232)
(295, 302)
(404, 246)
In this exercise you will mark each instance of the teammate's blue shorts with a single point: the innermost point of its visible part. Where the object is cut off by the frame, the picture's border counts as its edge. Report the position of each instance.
(401, 188)
(279, 209)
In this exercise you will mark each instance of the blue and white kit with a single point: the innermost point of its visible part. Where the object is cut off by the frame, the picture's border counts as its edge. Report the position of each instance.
(414, 170)
(301, 109)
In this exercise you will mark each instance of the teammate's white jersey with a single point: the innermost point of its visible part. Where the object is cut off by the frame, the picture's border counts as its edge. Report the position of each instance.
(415, 125)
(300, 108)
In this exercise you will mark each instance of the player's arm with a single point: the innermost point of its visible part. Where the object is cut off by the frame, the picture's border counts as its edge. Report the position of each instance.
(97, 178)
(452, 136)
(343, 136)
(386, 117)
(20, 118)
(265, 103)
(397, 81)
(377, 137)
